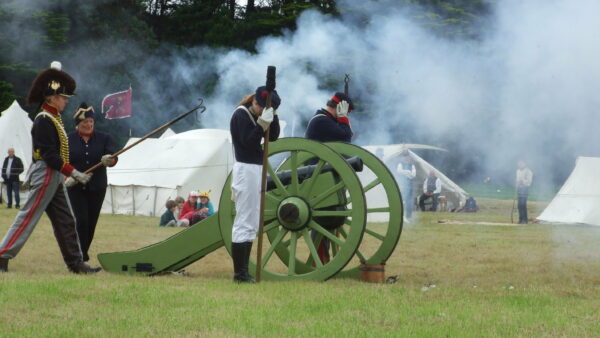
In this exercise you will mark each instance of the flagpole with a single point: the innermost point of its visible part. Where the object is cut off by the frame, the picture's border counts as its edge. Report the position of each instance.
(152, 133)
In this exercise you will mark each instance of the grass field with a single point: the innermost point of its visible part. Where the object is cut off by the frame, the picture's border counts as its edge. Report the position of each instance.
(490, 280)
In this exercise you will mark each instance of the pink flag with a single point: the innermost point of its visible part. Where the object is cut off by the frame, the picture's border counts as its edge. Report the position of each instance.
(117, 105)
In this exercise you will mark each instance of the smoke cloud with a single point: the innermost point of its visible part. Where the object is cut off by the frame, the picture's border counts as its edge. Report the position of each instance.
(526, 88)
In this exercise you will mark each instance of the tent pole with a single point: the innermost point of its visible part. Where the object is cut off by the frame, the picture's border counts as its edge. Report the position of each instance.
(112, 199)
(154, 204)
(133, 198)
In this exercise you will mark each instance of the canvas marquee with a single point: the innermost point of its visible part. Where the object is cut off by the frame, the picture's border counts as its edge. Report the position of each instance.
(156, 170)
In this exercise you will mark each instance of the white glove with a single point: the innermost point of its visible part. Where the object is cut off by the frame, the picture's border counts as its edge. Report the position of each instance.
(107, 160)
(265, 119)
(80, 177)
(70, 182)
(342, 109)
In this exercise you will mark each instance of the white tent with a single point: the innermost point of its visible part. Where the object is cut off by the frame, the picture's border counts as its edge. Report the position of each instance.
(15, 132)
(579, 198)
(376, 197)
(156, 170)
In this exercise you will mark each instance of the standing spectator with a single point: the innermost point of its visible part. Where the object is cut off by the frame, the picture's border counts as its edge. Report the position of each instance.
(87, 147)
(11, 169)
(406, 174)
(330, 124)
(432, 187)
(50, 89)
(168, 218)
(523, 182)
(205, 206)
(248, 125)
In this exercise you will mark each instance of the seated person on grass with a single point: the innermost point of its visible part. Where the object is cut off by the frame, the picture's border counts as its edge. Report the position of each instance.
(168, 218)
(205, 206)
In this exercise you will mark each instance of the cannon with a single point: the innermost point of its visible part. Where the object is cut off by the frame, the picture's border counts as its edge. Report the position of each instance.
(313, 192)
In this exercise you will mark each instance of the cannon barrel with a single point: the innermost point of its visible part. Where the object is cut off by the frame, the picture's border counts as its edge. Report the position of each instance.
(304, 172)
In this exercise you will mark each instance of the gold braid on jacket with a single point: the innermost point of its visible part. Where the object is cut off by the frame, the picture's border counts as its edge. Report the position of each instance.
(62, 137)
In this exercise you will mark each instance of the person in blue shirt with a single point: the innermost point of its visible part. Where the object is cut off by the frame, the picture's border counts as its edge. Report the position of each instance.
(205, 206)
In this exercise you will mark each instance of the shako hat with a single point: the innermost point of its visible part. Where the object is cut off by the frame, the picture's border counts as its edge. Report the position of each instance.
(51, 81)
(339, 97)
(83, 112)
(261, 97)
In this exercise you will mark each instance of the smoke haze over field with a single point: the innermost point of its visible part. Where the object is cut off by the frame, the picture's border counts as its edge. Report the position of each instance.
(527, 88)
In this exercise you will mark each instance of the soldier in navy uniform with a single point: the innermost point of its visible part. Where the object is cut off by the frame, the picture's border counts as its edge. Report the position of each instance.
(51, 90)
(87, 147)
(248, 124)
(330, 124)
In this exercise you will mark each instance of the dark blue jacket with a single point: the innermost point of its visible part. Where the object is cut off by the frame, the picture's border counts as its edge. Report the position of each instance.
(323, 127)
(85, 155)
(246, 135)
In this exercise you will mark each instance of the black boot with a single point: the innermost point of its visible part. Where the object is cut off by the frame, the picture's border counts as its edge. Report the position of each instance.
(248, 250)
(83, 267)
(3, 264)
(238, 252)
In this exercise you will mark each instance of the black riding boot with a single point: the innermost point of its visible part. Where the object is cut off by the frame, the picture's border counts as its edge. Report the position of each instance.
(248, 248)
(3, 264)
(238, 251)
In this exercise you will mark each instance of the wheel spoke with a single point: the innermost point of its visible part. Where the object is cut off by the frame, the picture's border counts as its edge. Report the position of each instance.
(374, 234)
(271, 226)
(277, 181)
(343, 232)
(292, 258)
(272, 198)
(269, 213)
(360, 256)
(334, 246)
(372, 184)
(294, 172)
(385, 209)
(274, 244)
(310, 182)
(324, 213)
(311, 247)
(319, 198)
(325, 232)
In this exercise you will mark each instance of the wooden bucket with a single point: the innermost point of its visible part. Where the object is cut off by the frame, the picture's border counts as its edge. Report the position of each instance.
(372, 273)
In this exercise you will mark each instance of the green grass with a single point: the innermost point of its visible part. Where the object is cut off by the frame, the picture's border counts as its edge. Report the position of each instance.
(534, 280)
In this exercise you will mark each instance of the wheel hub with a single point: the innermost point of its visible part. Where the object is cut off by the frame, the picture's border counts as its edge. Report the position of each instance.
(293, 213)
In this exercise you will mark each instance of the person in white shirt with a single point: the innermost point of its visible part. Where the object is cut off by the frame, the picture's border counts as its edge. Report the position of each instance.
(406, 174)
(523, 182)
(432, 187)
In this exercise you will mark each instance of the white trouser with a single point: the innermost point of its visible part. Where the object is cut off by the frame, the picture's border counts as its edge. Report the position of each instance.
(246, 195)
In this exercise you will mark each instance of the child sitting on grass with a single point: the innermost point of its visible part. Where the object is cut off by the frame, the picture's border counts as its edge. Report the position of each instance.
(168, 218)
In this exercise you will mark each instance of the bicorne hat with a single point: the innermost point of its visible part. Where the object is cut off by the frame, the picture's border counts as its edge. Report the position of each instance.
(83, 112)
(51, 81)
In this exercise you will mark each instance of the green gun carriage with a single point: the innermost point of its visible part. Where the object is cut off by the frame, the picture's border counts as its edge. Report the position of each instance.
(312, 188)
